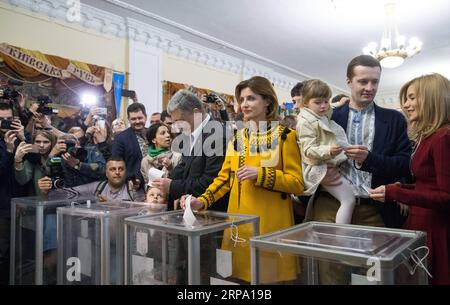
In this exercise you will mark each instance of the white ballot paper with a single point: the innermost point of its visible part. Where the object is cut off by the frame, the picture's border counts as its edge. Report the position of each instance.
(153, 174)
(188, 217)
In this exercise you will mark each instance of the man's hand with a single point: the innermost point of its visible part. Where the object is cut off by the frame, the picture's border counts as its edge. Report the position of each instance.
(333, 176)
(45, 185)
(358, 153)
(70, 160)
(196, 204)
(102, 198)
(21, 151)
(378, 194)
(42, 120)
(10, 139)
(18, 127)
(59, 148)
(163, 184)
(247, 173)
(134, 184)
(98, 134)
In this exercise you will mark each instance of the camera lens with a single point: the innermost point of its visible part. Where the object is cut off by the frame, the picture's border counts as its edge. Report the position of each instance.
(58, 183)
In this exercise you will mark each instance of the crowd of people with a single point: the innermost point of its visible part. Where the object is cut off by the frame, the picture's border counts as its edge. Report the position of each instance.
(342, 160)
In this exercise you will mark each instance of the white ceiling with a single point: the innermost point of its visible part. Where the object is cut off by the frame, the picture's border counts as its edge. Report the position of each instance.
(314, 37)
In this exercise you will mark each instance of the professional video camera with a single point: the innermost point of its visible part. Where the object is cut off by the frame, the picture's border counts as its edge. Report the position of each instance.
(43, 107)
(9, 94)
(56, 173)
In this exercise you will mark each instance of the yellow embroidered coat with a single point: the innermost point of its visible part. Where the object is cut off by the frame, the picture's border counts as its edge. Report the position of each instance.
(276, 155)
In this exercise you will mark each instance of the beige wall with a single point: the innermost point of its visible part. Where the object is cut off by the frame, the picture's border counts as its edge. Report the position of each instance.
(41, 34)
(182, 71)
(25, 30)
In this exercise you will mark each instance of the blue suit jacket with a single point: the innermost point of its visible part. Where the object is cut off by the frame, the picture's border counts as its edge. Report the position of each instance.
(389, 159)
(126, 146)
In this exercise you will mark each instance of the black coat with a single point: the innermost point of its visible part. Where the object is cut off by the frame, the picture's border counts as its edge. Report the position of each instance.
(126, 146)
(9, 188)
(197, 171)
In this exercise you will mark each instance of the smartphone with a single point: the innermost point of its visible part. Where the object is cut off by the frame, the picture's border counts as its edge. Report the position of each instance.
(6, 124)
(101, 124)
(34, 148)
(128, 93)
(102, 111)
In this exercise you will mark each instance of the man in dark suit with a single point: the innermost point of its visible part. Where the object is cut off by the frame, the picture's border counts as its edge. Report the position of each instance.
(202, 147)
(378, 154)
(131, 144)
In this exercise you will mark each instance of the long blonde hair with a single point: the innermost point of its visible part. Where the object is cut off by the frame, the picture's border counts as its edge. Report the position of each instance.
(432, 104)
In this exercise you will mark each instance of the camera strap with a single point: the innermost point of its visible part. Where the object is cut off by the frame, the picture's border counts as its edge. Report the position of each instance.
(100, 187)
(102, 184)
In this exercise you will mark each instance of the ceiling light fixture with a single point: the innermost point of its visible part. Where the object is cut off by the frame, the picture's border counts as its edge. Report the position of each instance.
(393, 48)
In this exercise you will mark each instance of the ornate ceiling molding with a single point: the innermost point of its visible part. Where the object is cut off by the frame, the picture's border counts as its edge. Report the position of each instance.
(122, 27)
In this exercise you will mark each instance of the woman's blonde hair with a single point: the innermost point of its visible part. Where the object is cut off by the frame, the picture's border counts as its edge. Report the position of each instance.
(432, 104)
(261, 86)
(48, 135)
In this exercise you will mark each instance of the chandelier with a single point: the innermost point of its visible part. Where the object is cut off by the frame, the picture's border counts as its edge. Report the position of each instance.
(393, 48)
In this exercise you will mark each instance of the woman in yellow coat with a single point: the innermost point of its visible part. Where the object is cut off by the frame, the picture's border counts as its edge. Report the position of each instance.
(262, 168)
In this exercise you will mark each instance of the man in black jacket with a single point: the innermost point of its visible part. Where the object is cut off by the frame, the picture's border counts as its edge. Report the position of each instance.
(202, 147)
(131, 144)
(9, 139)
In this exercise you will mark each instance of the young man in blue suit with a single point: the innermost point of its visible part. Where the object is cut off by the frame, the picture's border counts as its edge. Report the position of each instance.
(379, 152)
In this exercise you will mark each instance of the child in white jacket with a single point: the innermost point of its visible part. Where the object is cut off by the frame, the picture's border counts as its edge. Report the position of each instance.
(321, 143)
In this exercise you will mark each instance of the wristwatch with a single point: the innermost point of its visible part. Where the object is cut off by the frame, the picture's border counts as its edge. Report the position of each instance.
(77, 167)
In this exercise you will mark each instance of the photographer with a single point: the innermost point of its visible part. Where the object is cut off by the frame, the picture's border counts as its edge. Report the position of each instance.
(214, 99)
(30, 159)
(16, 100)
(92, 116)
(10, 132)
(79, 165)
(99, 137)
(114, 188)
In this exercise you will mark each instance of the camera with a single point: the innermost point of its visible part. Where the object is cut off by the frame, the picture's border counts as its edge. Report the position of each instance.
(128, 93)
(43, 107)
(211, 98)
(70, 147)
(6, 124)
(9, 94)
(56, 173)
(76, 152)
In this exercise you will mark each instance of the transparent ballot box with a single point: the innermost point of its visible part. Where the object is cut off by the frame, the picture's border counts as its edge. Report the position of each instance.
(90, 242)
(328, 253)
(164, 249)
(33, 239)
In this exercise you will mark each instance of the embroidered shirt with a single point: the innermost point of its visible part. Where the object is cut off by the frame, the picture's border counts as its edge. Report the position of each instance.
(360, 131)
